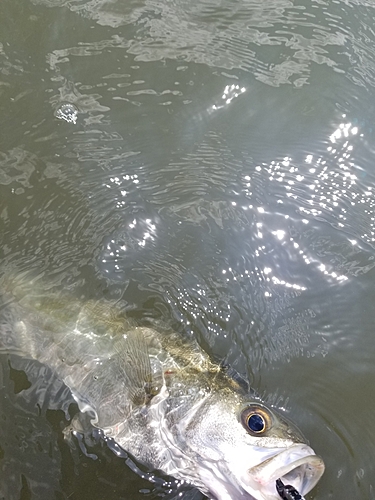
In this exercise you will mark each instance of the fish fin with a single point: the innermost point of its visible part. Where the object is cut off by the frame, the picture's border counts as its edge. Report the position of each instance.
(111, 387)
(103, 317)
(237, 381)
(134, 361)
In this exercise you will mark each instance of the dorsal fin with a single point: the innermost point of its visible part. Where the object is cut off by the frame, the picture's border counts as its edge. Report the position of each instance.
(238, 382)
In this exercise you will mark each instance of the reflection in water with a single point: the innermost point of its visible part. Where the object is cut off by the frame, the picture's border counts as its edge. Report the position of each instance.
(125, 245)
(67, 112)
(323, 188)
(230, 93)
(219, 177)
(278, 41)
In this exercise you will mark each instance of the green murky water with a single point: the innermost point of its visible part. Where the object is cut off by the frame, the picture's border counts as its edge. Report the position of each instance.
(215, 169)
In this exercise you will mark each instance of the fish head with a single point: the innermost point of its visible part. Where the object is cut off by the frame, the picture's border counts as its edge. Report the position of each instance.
(241, 447)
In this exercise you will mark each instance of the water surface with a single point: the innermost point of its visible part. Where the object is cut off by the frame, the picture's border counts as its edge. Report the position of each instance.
(212, 165)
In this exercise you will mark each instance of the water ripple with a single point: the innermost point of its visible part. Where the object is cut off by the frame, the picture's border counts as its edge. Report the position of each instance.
(279, 42)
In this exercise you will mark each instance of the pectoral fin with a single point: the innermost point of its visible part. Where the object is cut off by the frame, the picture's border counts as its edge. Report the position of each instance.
(134, 363)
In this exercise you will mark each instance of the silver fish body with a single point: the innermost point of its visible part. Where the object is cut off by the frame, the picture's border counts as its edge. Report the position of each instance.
(159, 397)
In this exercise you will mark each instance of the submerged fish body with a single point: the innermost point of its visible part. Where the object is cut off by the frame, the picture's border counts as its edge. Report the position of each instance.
(159, 397)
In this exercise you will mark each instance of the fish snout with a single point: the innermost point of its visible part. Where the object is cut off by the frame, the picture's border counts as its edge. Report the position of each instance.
(297, 465)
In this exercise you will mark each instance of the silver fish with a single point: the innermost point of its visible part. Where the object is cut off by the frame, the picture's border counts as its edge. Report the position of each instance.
(159, 397)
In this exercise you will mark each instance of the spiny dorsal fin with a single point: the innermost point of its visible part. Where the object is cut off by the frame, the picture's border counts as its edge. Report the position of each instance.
(237, 381)
(106, 316)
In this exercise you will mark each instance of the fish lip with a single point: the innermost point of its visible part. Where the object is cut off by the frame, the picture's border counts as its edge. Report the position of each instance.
(296, 465)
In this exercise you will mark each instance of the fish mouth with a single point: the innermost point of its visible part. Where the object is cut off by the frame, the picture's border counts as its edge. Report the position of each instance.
(297, 465)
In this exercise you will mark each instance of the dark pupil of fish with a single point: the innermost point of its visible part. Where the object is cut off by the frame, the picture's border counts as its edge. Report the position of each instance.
(255, 423)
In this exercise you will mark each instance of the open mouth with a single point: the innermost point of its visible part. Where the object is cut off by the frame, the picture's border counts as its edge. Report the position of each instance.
(297, 466)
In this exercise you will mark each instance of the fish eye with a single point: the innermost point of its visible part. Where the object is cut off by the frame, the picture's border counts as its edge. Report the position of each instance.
(256, 419)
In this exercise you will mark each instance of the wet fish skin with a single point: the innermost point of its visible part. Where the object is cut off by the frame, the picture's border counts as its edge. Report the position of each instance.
(159, 397)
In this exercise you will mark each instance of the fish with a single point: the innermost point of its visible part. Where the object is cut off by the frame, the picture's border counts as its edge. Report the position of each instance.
(158, 395)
